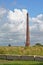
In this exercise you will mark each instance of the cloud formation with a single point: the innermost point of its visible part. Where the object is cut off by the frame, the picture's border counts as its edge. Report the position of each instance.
(2, 13)
(13, 27)
(17, 18)
(37, 29)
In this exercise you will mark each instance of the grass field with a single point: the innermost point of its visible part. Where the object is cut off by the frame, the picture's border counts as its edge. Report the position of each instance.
(4, 62)
(34, 50)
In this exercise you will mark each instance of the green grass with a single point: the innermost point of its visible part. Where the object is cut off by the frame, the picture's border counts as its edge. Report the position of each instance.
(35, 50)
(4, 62)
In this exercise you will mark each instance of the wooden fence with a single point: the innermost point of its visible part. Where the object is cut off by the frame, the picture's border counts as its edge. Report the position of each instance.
(29, 58)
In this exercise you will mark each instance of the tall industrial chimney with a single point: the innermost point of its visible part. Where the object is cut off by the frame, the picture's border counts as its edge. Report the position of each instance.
(27, 32)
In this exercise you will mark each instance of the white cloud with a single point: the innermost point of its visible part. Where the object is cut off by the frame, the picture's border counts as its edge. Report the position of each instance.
(15, 22)
(38, 21)
(2, 13)
(40, 16)
(17, 18)
(37, 28)
(16, 15)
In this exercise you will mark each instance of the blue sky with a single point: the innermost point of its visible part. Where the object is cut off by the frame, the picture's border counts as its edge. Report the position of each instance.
(10, 22)
(34, 7)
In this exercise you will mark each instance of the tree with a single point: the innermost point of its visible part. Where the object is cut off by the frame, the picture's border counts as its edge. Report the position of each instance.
(38, 44)
(9, 45)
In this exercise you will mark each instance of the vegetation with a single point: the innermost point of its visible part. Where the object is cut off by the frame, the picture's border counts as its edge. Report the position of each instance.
(9, 45)
(39, 44)
(34, 50)
(4, 62)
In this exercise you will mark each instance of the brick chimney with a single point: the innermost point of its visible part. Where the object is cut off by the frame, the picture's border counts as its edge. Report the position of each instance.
(27, 32)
